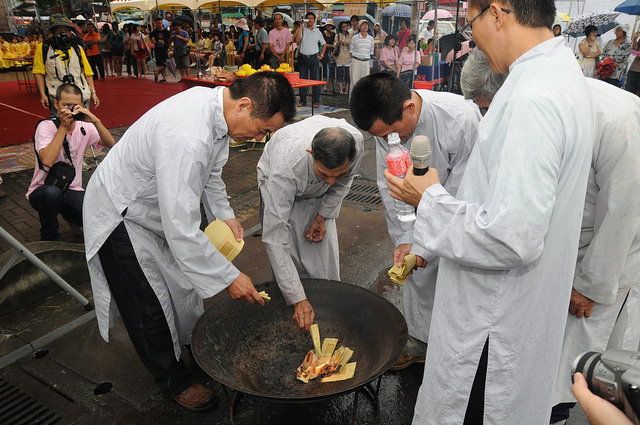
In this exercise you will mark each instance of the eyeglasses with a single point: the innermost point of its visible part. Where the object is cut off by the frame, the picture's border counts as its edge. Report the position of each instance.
(469, 25)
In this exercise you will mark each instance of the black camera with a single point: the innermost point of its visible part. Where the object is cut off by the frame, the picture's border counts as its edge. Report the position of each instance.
(62, 41)
(615, 376)
(79, 116)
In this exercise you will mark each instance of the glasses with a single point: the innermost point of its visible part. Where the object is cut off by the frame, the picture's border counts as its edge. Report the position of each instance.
(469, 25)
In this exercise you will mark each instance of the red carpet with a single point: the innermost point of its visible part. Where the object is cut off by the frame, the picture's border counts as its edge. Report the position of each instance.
(122, 102)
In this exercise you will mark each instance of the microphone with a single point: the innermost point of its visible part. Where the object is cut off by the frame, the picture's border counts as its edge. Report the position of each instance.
(420, 155)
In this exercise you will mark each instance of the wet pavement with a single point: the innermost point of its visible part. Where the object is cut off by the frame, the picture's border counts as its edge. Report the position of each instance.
(55, 367)
(53, 361)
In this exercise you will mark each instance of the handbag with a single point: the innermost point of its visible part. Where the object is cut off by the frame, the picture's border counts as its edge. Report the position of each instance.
(336, 51)
(60, 174)
(182, 51)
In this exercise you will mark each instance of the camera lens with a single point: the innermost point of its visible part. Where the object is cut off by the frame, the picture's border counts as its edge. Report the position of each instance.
(585, 364)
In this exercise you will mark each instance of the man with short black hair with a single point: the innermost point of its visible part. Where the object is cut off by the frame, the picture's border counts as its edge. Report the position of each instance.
(509, 240)
(145, 250)
(79, 133)
(180, 38)
(427, 32)
(160, 38)
(262, 53)
(383, 104)
(279, 41)
(311, 48)
(305, 172)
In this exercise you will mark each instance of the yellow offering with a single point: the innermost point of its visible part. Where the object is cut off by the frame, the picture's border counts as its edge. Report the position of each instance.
(222, 238)
(400, 274)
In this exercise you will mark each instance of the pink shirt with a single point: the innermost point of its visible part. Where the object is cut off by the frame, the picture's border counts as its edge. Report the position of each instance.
(387, 55)
(279, 39)
(406, 60)
(78, 143)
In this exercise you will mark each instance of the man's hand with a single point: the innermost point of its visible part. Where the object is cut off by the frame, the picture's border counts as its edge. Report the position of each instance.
(95, 100)
(317, 230)
(303, 315)
(236, 228)
(89, 117)
(402, 251)
(411, 188)
(580, 306)
(598, 410)
(242, 289)
(66, 117)
(44, 101)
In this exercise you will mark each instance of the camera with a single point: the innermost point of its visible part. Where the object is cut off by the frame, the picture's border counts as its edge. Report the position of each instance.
(615, 376)
(62, 41)
(79, 116)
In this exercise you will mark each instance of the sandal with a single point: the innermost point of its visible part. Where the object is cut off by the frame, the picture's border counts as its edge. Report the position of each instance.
(301, 105)
(316, 104)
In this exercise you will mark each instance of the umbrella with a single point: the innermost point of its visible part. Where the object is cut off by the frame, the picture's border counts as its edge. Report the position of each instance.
(630, 7)
(184, 18)
(401, 10)
(442, 14)
(601, 29)
(596, 18)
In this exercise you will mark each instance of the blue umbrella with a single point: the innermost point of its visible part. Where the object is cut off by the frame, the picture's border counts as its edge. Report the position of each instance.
(401, 10)
(630, 7)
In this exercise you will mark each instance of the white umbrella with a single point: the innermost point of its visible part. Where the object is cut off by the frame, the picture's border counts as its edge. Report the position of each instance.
(79, 18)
(442, 14)
(597, 18)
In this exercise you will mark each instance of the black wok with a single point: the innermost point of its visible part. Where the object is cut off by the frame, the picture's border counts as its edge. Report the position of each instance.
(256, 349)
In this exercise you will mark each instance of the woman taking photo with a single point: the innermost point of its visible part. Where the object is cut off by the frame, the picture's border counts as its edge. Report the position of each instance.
(590, 50)
(409, 61)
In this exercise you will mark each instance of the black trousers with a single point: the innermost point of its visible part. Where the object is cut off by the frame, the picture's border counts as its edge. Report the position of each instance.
(475, 409)
(97, 65)
(142, 313)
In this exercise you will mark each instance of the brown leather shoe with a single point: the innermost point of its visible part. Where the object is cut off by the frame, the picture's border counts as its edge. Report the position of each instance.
(196, 397)
(405, 360)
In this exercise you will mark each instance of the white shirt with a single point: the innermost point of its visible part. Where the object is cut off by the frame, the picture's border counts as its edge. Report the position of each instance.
(507, 245)
(311, 42)
(361, 48)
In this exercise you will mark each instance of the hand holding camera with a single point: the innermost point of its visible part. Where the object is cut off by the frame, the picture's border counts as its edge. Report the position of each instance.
(615, 377)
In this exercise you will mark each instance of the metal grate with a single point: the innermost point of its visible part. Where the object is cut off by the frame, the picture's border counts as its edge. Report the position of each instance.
(363, 193)
(17, 408)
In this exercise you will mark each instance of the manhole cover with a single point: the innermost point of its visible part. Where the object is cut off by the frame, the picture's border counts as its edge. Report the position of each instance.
(16, 407)
(364, 194)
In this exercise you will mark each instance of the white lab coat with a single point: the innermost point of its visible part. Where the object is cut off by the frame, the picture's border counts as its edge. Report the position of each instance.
(508, 244)
(451, 123)
(608, 269)
(292, 196)
(164, 164)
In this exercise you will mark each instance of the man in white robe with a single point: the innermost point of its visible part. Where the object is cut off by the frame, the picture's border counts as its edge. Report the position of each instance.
(304, 173)
(148, 260)
(604, 311)
(605, 300)
(508, 242)
(383, 104)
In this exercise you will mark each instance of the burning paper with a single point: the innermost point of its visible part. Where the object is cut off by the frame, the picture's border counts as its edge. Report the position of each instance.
(326, 360)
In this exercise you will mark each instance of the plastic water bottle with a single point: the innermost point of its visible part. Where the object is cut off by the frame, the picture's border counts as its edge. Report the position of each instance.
(398, 161)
